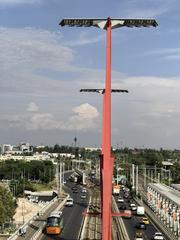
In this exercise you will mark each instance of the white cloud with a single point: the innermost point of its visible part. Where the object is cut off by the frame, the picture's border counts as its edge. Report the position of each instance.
(32, 49)
(15, 2)
(166, 53)
(155, 9)
(83, 120)
(27, 56)
(85, 38)
(32, 107)
(86, 111)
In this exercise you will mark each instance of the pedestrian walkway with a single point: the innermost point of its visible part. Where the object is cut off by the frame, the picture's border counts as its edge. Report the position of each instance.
(25, 210)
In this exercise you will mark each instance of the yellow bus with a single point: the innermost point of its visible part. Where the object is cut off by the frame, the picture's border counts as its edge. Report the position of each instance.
(54, 224)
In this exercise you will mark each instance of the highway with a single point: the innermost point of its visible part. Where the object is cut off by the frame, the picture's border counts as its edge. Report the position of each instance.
(72, 215)
(130, 224)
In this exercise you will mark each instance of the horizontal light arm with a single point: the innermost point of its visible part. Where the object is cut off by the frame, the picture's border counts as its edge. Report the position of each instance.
(102, 23)
(102, 91)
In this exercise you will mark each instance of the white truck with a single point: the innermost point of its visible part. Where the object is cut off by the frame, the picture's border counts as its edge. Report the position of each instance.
(140, 211)
(116, 190)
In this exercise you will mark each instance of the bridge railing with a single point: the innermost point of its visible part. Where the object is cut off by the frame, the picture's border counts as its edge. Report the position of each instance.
(26, 224)
(39, 232)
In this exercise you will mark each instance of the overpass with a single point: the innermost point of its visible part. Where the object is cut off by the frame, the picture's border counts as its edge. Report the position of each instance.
(80, 175)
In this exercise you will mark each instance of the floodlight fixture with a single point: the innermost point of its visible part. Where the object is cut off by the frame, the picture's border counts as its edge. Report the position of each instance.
(102, 91)
(103, 23)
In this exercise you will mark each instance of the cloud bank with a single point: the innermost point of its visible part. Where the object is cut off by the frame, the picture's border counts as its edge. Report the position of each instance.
(83, 119)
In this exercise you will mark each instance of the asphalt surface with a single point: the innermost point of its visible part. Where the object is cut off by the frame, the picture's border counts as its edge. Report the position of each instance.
(72, 215)
(130, 224)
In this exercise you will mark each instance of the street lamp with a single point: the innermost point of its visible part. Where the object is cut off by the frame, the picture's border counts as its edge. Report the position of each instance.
(107, 160)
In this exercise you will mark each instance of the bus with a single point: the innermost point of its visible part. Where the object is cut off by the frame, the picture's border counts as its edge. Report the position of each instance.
(54, 224)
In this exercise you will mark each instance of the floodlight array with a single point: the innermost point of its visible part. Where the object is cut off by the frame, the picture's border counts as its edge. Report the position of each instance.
(102, 23)
(102, 91)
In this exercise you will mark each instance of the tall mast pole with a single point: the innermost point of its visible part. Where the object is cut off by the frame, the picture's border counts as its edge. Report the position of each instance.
(107, 164)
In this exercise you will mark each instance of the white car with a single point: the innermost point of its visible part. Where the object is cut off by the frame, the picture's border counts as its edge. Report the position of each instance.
(83, 190)
(69, 202)
(133, 207)
(158, 236)
(83, 196)
(120, 199)
(139, 236)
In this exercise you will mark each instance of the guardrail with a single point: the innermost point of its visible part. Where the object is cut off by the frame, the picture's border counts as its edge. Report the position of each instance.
(167, 233)
(122, 233)
(25, 225)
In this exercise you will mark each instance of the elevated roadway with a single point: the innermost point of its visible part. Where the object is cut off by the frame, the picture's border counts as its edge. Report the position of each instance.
(72, 215)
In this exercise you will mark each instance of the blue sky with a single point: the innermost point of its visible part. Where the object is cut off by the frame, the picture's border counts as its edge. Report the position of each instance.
(43, 66)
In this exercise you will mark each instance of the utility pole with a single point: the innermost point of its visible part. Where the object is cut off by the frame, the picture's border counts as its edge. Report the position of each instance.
(60, 177)
(137, 183)
(169, 178)
(57, 178)
(133, 185)
(145, 176)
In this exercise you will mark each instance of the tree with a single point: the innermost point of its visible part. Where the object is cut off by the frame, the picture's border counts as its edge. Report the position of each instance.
(7, 206)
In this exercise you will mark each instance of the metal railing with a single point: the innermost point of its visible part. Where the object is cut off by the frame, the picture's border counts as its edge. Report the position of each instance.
(15, 235)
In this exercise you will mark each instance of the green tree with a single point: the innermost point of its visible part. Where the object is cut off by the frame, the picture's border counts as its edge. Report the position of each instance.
(7, 206)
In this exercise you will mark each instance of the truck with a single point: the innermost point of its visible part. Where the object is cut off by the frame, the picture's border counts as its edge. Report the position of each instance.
(116, 190)
(140, 211)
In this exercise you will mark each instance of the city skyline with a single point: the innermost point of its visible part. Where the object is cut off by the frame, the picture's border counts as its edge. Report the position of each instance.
(43, 67)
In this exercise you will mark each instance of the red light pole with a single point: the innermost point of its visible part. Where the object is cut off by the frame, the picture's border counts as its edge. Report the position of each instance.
(107, 160)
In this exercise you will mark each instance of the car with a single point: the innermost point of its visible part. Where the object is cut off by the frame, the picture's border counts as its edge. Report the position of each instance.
(83, 196)
(126, 195)
(83, 190)
(120, 199)
(138, 236)
(131, 203)
(158, 236)
(122, 207)
(133, 207)
(145, 221)
(69, 202)
(75, 190)
(140, 225)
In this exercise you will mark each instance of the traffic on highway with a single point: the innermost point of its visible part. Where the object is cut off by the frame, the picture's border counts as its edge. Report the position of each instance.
(138, 225)
(72, 212)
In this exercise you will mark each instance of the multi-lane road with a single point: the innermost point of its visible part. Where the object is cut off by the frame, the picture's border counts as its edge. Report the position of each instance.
(130, 224)
(72, 215)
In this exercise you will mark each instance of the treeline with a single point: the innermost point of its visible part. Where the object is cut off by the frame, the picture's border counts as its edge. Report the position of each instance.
(77, 151)
(22, 174)
(151, 157)
(35, 170)
(56, 149)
